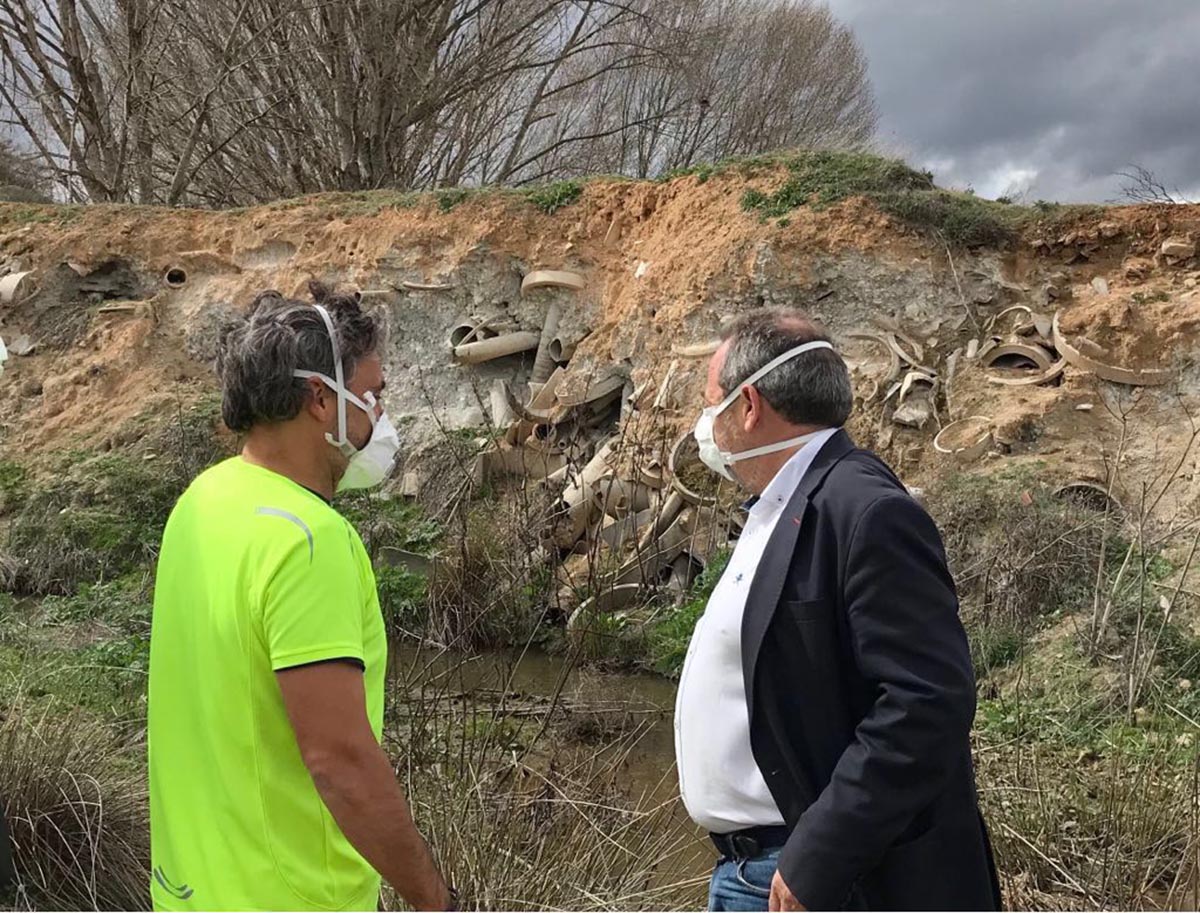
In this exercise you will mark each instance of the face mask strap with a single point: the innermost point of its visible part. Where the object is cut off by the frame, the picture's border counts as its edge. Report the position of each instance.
(339, 377)
(767, 448)
(367, 405)
(767, 369)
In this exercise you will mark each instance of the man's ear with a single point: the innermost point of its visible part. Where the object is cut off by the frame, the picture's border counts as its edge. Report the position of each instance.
(754, 406)
(319, 400)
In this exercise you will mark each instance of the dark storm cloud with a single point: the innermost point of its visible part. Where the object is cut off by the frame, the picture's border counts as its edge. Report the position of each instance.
(1047, 96)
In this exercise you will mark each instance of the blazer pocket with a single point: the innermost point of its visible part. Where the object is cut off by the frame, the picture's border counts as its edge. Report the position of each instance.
(802, 610)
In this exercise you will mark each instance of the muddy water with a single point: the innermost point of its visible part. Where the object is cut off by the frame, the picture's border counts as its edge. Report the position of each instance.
(644, 703)
(647, 701)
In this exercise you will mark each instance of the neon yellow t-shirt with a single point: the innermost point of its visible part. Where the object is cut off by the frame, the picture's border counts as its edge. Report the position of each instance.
(256, 574)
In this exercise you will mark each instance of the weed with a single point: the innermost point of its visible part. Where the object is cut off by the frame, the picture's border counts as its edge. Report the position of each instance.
(669, 637)
(1150, 297)
(450, 197)
(12, 486)
(550, 198)
(403, 599)
(102, 515)
(389, 523)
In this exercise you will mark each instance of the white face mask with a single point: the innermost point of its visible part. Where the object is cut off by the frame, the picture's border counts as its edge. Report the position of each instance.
(371, 465)
(720, 461)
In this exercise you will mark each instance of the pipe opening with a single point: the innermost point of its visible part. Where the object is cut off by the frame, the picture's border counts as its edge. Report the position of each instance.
(175, 277)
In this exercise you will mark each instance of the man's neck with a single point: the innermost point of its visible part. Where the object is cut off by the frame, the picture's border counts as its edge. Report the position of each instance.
(767, 466)
(277, 450)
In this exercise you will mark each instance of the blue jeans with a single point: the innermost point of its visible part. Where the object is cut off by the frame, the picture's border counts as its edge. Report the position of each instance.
(743, 885)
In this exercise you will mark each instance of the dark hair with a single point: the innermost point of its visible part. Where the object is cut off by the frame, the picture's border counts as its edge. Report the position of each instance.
(258, 353)
(811, 389)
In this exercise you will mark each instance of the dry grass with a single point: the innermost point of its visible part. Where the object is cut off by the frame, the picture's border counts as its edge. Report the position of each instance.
(76, 808)
(524, 814)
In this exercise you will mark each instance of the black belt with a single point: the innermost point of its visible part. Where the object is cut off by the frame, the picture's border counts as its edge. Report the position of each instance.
(752, 842)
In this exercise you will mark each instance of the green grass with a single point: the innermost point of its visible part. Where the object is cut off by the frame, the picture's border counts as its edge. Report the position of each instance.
(450, 197)
(668, 638)
(403, 599)
(550, 198)
(821, 179)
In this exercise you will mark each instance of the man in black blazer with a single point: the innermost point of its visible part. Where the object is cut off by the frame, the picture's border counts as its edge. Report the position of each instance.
(825, 705)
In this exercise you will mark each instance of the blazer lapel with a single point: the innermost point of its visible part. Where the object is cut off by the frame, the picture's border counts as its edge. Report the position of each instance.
(767, 585)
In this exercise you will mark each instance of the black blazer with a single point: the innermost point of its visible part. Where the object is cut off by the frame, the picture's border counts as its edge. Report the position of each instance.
(861, 697)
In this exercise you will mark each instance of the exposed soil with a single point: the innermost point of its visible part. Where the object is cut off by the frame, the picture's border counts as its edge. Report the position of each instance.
(118, 345)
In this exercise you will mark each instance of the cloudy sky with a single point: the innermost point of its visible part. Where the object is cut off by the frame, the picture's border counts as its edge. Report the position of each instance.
(1051, 97)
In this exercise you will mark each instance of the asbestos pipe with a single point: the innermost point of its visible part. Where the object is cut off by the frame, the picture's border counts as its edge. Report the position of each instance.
(544, 362)
(552, 278)
(497, 347)
(664, 390)
(620, 497)
(667, 511)
(13, 287)
(683, 572)
(698, 350)
(674, 464)
(580, 489)
(562, 349)
(469, 329)
(651, 474)
(604, 602)
(646, 565)
(594, 389)
(502, 413)
(894, 366)
(1031, 380)
(1035, 355)
(979, 442)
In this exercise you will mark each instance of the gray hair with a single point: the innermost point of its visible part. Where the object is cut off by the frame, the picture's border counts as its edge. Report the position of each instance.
(258, 353)
(811, 389)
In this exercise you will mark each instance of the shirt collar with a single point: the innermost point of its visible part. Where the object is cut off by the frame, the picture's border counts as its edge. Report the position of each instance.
(779, 490)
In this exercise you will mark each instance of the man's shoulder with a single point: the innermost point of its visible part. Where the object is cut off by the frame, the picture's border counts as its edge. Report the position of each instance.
(264, 504)
(860, 478)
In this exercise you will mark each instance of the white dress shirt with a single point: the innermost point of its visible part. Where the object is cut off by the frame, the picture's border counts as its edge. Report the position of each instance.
(722, 787)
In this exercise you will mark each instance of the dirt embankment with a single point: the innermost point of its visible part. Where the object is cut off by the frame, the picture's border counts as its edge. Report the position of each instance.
(122, 307)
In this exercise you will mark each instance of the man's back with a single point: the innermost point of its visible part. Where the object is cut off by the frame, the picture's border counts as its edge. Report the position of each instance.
(257, 574)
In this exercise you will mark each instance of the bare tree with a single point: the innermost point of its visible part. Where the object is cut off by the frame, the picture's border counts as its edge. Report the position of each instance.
(1140, 185)
(227, 102)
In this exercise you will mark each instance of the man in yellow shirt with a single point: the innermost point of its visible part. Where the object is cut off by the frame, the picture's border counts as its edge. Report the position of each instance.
(268, 786)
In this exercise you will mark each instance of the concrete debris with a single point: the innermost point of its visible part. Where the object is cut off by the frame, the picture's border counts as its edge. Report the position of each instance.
(410, 484)
(1178, 249)
(22, 345)
(1085, 407)
(411, 562)
(642, 268)
(1100, 284)
(1137, 269)
(915, 413)
(1074, 355)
